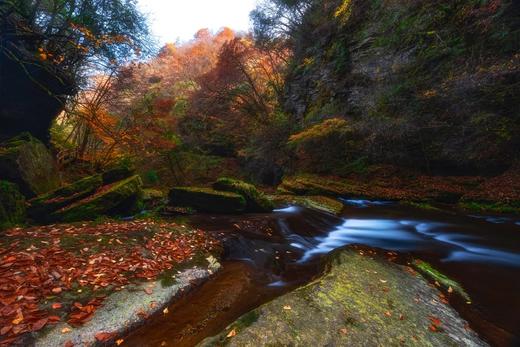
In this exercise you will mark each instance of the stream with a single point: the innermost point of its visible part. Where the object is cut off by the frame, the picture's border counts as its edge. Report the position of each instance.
(267, 255)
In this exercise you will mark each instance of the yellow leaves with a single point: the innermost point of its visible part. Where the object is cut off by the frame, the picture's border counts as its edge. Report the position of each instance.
(321, 130)
(344, 11)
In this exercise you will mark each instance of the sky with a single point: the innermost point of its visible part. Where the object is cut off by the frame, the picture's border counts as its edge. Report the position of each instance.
(171, 20)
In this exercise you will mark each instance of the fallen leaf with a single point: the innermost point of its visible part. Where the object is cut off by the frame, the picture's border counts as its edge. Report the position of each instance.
(165, 311)
(69, 343)
(119, 342)
(287, 307)
(39, 324)
(56, 290)
(56, 306)
(450, 290)
(232, 333)
(66, 330)
(5, 329)
(343, 331)
(103, 336)
(148, 291)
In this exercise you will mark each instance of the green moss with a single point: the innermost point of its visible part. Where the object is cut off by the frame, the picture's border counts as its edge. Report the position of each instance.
(207, 199)
(420, 205)
(316, 185)
(44, 205)
(495, 207)
(26, 161)
(12, 205)
(256, 201)
(316, 202)
(434, 275)
(119, 198)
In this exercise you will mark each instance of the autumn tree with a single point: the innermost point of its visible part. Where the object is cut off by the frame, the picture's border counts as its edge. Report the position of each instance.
(47, 48)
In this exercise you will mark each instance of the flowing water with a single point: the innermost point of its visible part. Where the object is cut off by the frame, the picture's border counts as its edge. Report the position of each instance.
(267, 255)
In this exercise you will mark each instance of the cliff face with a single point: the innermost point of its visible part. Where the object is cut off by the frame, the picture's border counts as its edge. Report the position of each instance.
(428, 84)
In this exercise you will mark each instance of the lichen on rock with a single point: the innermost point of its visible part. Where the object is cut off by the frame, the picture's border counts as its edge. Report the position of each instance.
(361, 301)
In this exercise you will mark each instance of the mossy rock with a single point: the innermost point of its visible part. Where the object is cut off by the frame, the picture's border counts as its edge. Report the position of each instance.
(256, 201)
(12, 205)
(207, 200)
(44, 205)
(315, 202)
(117, 173)
(26, 161)
(362, 301)
(439, 278)
(119, 198)
(316, 185)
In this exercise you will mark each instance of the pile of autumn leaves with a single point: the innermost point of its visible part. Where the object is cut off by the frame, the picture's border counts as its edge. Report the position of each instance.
(43, 268)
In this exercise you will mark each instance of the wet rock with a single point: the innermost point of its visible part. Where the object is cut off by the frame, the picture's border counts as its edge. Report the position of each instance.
(207, 200)
(128, 309)
(12, 205)
(256, 201)
(119, 198)
(26, 161)
(315, 202)
(362, 301)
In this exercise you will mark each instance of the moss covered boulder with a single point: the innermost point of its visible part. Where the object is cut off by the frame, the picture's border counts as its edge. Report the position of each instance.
(361, 301)
(12, 205)
(317, 185)
(44, 205)
(119, 198)
(256, 201)
(26, 161)
(207, 200)
(315, 202)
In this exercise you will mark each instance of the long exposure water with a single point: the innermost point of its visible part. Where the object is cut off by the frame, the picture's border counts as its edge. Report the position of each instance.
(267, 255)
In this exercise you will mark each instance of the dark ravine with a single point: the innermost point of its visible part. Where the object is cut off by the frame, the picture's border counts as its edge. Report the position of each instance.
(264, 253)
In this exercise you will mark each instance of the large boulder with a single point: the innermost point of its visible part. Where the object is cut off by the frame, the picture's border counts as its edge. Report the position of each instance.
(256, 201)
(12, 205)
(44, 205)
(207, 200)
(116, 199)
(361, 301)
(26, 161)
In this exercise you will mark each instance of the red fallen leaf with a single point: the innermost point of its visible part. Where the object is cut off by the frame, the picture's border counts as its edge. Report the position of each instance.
(104, 336)
(39, 324)
(56, 306)
(5, 329)
(56, 290)
(54, 319)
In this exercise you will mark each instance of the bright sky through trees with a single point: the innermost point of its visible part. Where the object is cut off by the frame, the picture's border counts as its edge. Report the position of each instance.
(180, 19)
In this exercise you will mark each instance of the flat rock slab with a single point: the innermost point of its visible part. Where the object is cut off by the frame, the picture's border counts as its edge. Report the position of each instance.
(362, 301)
(125, 310)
